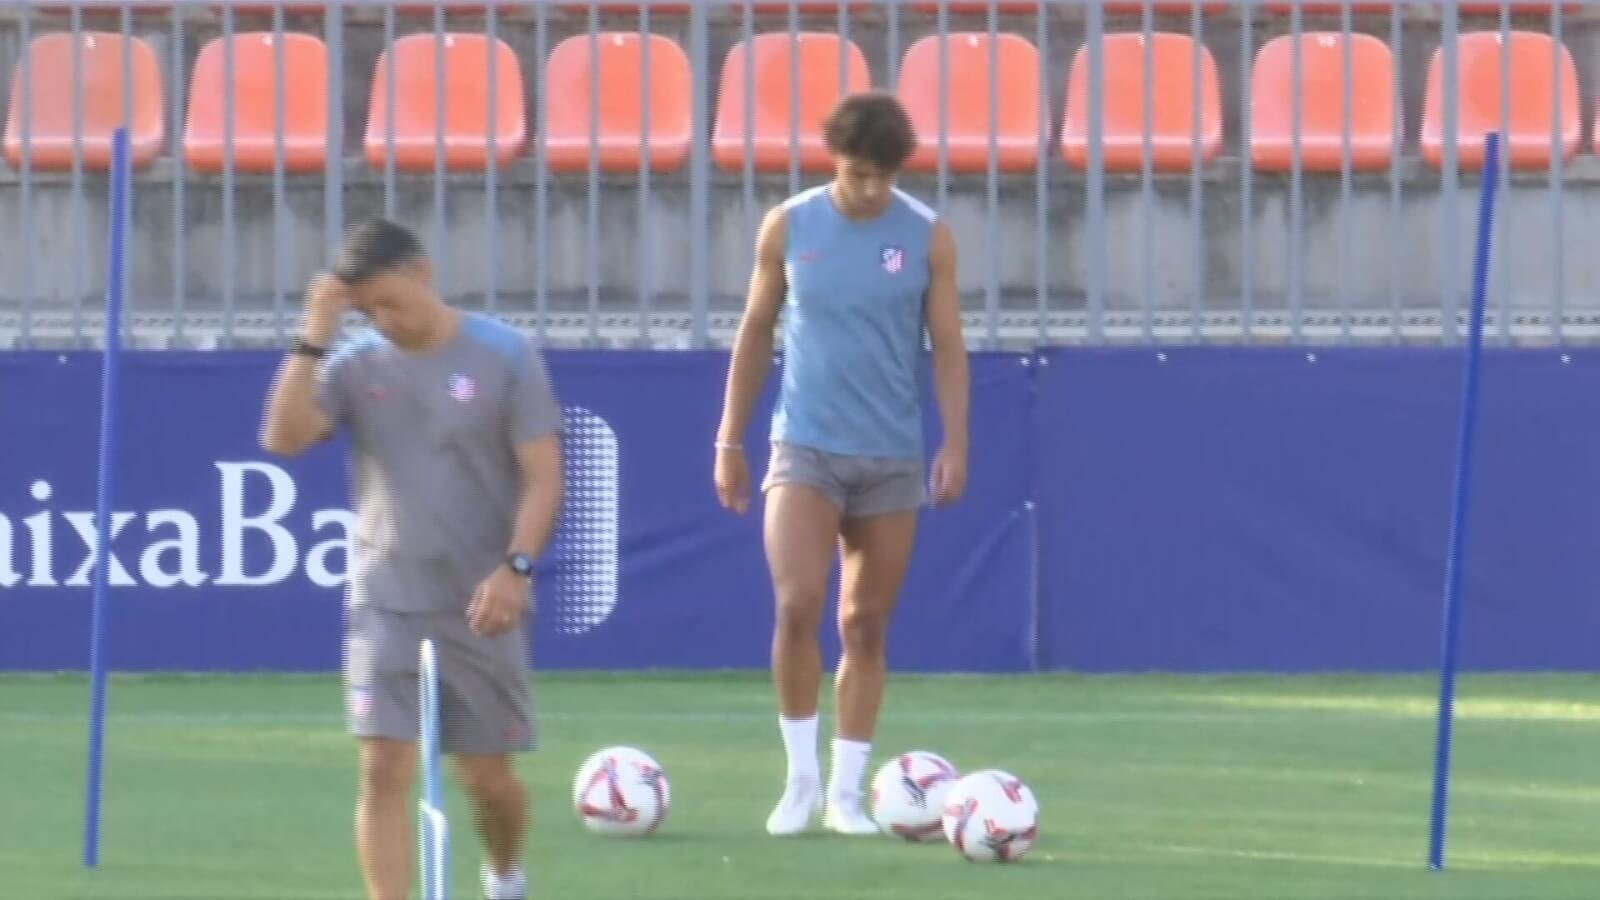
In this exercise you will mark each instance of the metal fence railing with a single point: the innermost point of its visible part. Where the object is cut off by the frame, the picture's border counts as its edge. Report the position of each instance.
(1114, 171)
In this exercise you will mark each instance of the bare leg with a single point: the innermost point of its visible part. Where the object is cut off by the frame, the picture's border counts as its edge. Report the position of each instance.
(499, 806)
(801, 527)
(383, 817)
(876, 553)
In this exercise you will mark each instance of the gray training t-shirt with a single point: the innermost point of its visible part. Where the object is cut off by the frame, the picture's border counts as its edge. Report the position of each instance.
(435, 474)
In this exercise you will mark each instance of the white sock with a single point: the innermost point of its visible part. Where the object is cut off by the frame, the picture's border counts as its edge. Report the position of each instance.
(800, 743)
(849, 767)
(510, 886)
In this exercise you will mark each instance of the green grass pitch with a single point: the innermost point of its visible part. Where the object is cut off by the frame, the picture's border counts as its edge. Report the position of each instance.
(1159, 787)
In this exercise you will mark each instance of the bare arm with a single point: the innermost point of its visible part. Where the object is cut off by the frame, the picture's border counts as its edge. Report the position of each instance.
(542, 488)
(752, 346)
(951, 381)
(294, 420)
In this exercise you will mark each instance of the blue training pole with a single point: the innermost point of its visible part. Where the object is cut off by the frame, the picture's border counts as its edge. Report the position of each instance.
(110, 363)
(1456, 562)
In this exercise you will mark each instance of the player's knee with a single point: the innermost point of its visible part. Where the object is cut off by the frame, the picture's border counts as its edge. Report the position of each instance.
(386, 771)
(862, 631)
(492, 782)
(800, 611)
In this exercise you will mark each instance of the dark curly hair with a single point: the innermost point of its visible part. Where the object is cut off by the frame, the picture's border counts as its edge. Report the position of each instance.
(871, 126)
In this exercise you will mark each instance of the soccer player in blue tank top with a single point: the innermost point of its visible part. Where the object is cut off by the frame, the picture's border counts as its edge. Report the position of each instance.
(858, 269)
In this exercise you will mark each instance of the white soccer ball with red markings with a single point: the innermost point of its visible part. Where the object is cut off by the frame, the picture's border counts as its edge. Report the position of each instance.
(622, 792)
(908, 794)
(991, 816)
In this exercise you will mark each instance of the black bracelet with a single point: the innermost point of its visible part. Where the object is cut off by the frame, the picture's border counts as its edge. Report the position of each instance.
(301, 348)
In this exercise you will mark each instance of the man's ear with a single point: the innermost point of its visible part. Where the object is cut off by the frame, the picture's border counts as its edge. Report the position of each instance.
(422, 270)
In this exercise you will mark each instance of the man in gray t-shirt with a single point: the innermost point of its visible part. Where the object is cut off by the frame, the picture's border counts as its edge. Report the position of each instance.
(455, 436)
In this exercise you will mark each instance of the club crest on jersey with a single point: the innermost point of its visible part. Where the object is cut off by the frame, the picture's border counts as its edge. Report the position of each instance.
(461, 388)
(894, 259)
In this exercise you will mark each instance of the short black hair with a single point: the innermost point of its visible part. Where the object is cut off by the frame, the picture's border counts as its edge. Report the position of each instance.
(872, 126)
(372, 247)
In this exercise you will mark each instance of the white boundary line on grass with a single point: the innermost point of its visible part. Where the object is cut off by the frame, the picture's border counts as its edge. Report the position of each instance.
(697, 716)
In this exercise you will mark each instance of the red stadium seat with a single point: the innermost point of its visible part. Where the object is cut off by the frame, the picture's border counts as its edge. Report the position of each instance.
(1533, 93)
(52, 107)
(1172, 124)
(619, 138)
(1016, 119)
(818, 55)
(1322, 120)
(255, 90)
(466, 125)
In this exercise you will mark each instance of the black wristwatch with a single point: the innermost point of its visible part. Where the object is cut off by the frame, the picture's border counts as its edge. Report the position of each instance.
(520, 563)
(301, 347)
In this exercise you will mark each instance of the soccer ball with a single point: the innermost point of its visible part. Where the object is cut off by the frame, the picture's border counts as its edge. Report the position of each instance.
(621, 792)
(991, 816)
(908, 794)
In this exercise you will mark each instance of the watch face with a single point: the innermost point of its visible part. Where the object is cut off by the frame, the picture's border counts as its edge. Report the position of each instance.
(521, 564)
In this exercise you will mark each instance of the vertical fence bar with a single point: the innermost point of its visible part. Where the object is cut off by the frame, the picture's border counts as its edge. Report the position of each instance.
(440, 256)
(1346, 115)
(25, 200)
(541, 178)
(1297, 200)
(592, 210)
(794, 96)
(844, 48)
(1196, 184)
(388, 112)
(1041, 178)
(1247, 250)
(229, 219)
(1096, 186)
(1147, 187)
(942, 193)
(79, 226)
(280, 238)
(1396, 309)
(646, 233)
(747, 166)
(1558, 230)
(1450, 230)
(491, 180)
(699, 174)
(333, 166)
(128, 87)
(991, 287)
(1505, 233)
(180, 250)
(892, 43)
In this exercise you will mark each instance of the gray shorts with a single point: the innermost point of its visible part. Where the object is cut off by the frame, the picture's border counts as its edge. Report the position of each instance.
(485, 702)
(859, 486)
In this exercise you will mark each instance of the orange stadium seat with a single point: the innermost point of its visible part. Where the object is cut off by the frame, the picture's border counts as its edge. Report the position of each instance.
(619, 139)
(1533, 92)
(1016, 120)
(466, 124)
(1172, 124)
(735, 7)
(1327, 7)
(251, 8)
(818, 54)
(1322, 117)
(255, 87)
(263, 7)
(52, 109)
(622, 6)
(1167, 7)
(978, 6)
